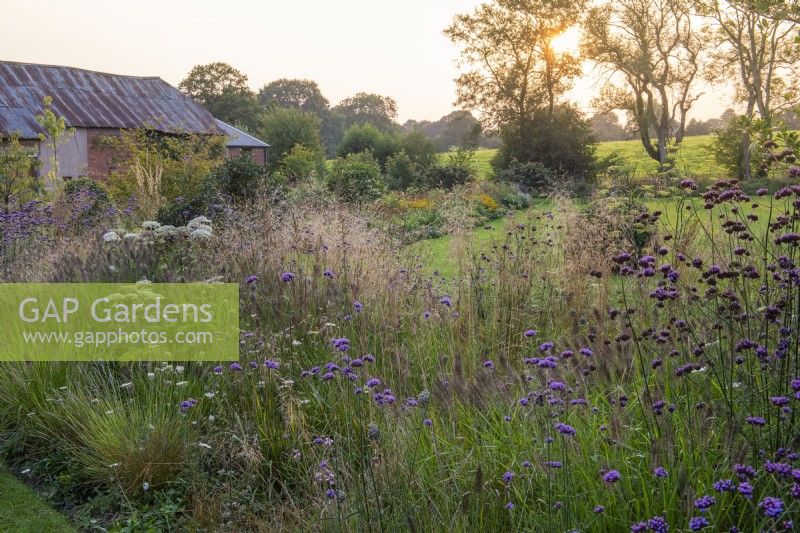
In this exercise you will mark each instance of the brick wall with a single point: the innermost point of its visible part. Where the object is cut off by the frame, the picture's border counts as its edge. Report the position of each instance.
(103, 159)
(259, 155)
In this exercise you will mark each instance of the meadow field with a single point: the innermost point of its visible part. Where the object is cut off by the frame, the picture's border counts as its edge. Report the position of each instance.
(565, 367)
(692, 158)
(280, 294)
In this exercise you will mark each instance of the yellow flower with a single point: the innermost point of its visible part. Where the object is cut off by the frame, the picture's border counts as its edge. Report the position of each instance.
(417, 203)
(487, 201)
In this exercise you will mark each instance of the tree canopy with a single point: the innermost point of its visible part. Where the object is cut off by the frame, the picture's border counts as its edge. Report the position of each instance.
(368, 108)
(222, 90)
(304, 95)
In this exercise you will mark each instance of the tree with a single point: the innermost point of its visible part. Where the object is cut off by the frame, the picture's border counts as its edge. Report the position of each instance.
(367, 108)
(652, 48)
(456, 129)
(56, 133)
(298, 94)
(302, 163)
(223, 91)
(755, 47)
(515, 71)
(568, 148)
(305, 95)
(368, 138)
(287, 127)
(18, 183)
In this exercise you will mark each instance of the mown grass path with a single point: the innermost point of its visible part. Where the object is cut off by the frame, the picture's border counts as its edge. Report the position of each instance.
(22, 510)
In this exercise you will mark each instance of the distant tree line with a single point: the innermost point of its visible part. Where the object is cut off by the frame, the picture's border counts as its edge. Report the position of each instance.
(223, 90)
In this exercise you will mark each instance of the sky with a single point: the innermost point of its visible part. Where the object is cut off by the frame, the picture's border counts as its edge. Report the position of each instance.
(390, 47)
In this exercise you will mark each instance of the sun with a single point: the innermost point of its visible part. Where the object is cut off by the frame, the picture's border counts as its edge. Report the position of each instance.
(567, 42)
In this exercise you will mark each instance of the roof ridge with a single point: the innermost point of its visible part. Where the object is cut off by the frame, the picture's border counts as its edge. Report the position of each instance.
(48, 65)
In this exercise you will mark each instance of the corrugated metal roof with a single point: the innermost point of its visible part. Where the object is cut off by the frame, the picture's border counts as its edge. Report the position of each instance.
(239, 139)
(88, 99)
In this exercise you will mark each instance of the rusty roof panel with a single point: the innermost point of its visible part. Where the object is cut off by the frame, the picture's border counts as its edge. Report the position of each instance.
(88, 99)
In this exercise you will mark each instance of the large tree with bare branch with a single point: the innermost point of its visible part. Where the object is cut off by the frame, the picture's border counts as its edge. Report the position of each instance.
(650, 51)
(754, 45)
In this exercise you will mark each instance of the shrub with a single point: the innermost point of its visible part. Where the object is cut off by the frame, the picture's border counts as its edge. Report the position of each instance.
(301, 163)
(401, 171)
(563, 143)
(182, 209)
(727, 148)
(418, 224)
(420, 149)
(239, 178)
(356, 178)
(510, 196)
(458, 169)
(531, 177)
(368, 138)
(18, 182)
(311, 191)
(158, 168)
(283, 129)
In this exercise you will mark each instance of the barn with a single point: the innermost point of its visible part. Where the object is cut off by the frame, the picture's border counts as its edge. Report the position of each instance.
(96, 105)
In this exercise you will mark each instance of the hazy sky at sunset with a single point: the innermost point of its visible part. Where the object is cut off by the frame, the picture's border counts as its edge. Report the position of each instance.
(391, 47)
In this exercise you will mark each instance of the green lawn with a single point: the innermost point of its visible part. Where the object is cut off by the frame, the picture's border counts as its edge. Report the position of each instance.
(692, 157)
(21, 510)
(439, 255)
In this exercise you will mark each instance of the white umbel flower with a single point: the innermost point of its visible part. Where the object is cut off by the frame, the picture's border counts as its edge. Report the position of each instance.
(110, 236)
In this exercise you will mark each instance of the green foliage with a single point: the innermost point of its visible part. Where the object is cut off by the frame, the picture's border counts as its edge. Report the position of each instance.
(421, 224)
(356, 178)
(296, 94)
(301, 163)
(18, 183)
(654, 48)
(158, 168)
(284, 128)
(562, 142)
(310, 191)
(184, 208)
(401, 171)
(368, 108)
(454, 130)
(420, 148)
(305, 95)
(730, 142)
(21, 509)
(223, 90)
(239, 178)
(56, 133)
(459, 168)
(368, 138)
(514, 70)
(532, 177)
